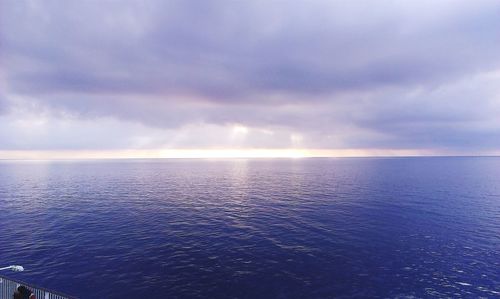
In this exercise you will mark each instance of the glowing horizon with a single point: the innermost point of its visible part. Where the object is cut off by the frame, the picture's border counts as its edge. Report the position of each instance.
(223, 154)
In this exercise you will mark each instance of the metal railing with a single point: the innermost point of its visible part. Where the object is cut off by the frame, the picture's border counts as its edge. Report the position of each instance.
(8, 286)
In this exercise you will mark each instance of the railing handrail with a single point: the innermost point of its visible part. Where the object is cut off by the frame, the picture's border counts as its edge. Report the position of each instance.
(34, 287)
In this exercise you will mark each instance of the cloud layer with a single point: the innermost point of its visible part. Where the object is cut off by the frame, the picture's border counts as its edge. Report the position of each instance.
(312, 74)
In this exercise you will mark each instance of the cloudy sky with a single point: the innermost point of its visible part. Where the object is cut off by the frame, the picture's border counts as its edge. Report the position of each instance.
(336, 77)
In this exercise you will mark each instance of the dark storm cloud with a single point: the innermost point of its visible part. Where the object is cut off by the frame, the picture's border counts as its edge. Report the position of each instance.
(315, 67)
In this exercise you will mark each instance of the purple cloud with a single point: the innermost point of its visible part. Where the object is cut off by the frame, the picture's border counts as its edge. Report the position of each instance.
(341, 74)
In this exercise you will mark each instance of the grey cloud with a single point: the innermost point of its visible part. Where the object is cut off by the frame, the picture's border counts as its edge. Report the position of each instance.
(233, 50)
(3, 106)
(341, 73)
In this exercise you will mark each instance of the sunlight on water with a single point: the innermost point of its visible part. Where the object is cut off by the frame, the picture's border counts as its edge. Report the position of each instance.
(285, 228)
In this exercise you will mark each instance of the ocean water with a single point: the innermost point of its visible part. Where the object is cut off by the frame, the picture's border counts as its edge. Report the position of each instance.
(269, 228)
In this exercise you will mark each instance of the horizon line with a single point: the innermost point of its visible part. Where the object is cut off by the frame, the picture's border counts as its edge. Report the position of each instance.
(230, 154)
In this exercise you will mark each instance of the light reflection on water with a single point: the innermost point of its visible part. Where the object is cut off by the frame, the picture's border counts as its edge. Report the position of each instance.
(310, 228)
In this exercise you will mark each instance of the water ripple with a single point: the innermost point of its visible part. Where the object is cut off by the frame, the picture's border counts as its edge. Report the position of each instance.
(312, 228)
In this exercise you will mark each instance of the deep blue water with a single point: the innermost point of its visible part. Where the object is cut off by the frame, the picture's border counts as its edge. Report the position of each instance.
(305, 228)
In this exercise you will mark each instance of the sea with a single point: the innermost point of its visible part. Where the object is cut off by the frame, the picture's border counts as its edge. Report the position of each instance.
(417, 227)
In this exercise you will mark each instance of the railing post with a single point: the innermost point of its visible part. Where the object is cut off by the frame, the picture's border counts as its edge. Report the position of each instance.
(47, 295)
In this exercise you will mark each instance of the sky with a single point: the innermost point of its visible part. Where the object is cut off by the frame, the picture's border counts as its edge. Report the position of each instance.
(151, 78)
